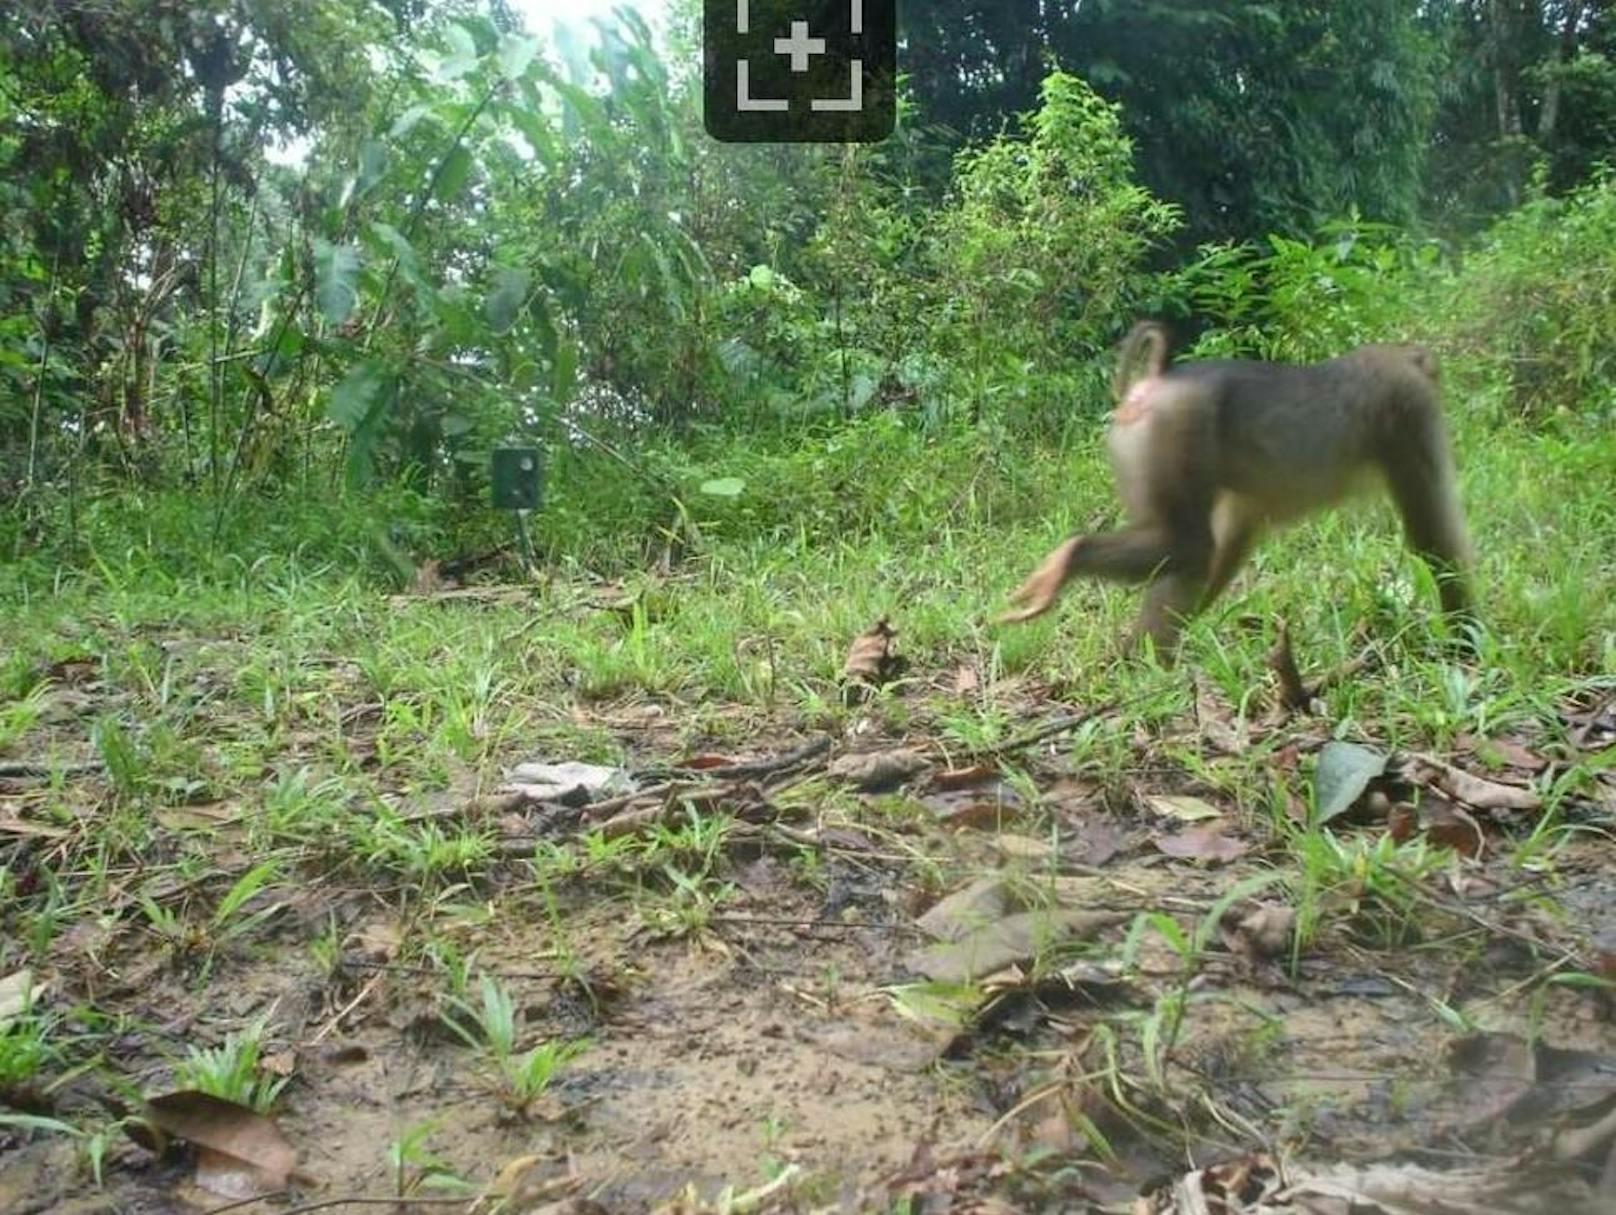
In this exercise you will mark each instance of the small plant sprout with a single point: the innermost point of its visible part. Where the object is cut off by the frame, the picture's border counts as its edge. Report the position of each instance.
(491, 1028)
(232, 1071)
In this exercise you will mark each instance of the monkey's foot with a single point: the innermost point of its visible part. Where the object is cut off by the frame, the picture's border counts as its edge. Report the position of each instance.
(1038, 593)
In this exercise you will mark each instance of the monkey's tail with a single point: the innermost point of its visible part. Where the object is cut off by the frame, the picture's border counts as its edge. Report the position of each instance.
(1146, 342)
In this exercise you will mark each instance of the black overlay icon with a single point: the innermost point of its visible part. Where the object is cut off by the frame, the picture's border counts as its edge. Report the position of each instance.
(800, 71)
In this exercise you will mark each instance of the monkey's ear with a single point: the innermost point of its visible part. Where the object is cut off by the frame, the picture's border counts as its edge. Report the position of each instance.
(1038, 593)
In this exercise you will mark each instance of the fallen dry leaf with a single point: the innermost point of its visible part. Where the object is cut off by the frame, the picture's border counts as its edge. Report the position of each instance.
(240, 1154)
(1015, 938)
(428, 581)
(967, 909)
(1184, 808)
(1259, 932)
(507, 1181)
(18, 993)
(1503, 751)
(974, 807)
(700, 763)
(1504, 1188)
(964, 778)
(876, 771)
(1473, 790)
(1439, 821)
(1203, 842)
(870, 659)
(1098, 841)
(1023, 847)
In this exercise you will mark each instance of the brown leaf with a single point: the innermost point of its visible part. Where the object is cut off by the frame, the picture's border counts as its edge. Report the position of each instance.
(700, 763)
(1293, 693)
(508, 1181)
(967, 909)
(1098, 841)
(1205, 842)
(204, 817)
(279, 1063)
(870, 659)
(1216, 722)
(876, 771)
(1505, 751)
(1445, 824)
(23, 827)
(1013, 939)
(1260, 931)
(18, 993)
(1473, 790)
(977, 806)
(1023, 847)
(964, 778)
(1183, 808)
(240, 1154)
(967, 682)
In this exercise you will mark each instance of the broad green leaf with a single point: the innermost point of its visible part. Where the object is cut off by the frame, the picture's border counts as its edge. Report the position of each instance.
(353, 400)
(511, 285)
(1343, 773)
(723, 487)
(406, 122)
(456, 315)
(516, 54)
(409, 262)
(456, 168)
(462, 56)
(289, 343)
(372, 163)
(535, 128)
(336, 274)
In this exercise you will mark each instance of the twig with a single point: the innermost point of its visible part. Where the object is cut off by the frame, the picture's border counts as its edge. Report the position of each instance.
(792, 922)
(1049, 729)
(612, 805)
(1294, 693)
(1421, 894)
(325, 1204)
(30, 768)
(364, 993)
(405, 969)
(758, 767)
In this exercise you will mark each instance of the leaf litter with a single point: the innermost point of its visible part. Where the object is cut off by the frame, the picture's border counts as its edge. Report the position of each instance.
(889, 1003)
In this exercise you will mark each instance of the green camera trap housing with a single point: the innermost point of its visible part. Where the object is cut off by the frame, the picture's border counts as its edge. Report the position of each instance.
(516, 477)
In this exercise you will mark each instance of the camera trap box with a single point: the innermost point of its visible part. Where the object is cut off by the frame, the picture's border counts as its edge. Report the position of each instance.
(516, 478)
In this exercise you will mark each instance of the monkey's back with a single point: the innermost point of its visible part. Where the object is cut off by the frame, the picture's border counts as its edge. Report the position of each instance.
(1290, 436)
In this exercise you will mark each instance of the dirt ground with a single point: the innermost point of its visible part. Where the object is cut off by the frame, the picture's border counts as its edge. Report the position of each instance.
(1103, 1021)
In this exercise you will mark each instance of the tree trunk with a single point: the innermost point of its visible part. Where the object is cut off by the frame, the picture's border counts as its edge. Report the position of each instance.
(1505, 102)
(1551, 91)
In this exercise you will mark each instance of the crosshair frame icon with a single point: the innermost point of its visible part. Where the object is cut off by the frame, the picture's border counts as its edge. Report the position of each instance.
(800, 70)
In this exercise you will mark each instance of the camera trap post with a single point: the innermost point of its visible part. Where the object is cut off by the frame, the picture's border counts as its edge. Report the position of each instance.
(516, 484)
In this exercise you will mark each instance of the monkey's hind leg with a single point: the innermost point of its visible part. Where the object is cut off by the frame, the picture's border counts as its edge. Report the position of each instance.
(1132, 555)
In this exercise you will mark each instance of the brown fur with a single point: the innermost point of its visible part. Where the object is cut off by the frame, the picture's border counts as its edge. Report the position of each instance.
(1210, 454)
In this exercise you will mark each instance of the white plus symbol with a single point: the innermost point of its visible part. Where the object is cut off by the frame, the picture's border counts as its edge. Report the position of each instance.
(799, 46)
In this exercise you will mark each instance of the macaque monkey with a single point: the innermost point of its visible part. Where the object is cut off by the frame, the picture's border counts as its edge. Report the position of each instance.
(1209, 454)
